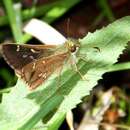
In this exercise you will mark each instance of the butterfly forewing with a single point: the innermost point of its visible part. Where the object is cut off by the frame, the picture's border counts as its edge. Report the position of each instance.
(17, 56)
(33, 63)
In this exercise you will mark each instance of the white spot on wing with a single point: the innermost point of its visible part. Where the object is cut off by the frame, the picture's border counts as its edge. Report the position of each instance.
(43, 62)
(32, 50)
(44, 76)
(18, 48)
(40, 75)
(22, 70)
(34, 65)
(31, 57)
(24, 56)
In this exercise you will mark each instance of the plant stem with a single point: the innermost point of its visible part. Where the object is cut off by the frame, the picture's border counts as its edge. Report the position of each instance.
(14, 19)
(56, 121)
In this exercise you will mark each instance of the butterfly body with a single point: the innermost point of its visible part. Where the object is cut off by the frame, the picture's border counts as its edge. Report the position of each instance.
(35, 63)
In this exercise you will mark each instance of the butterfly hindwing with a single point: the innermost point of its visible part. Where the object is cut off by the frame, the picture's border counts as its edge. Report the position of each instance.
(38, 71)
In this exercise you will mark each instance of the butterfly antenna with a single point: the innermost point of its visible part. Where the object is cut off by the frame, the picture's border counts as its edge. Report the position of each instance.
(68, 25)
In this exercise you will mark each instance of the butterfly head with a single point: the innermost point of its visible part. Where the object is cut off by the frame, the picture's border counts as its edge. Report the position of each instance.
(72, 45)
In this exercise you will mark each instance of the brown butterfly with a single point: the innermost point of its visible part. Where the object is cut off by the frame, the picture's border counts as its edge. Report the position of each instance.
(35, 63)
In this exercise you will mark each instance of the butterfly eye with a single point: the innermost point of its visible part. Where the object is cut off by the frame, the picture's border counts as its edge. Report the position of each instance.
(73, 49)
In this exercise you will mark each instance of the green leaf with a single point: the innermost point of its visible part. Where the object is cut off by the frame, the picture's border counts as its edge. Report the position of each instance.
(22, 109)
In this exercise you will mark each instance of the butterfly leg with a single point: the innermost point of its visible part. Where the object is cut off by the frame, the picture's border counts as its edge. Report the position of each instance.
(82, 57)
(59, 74)
(74, 65)
(61, 68)
(77, 70)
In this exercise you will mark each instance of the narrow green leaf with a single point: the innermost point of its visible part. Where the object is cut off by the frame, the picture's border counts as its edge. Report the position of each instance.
(106, 10)
(22, 109)
(14, 17)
